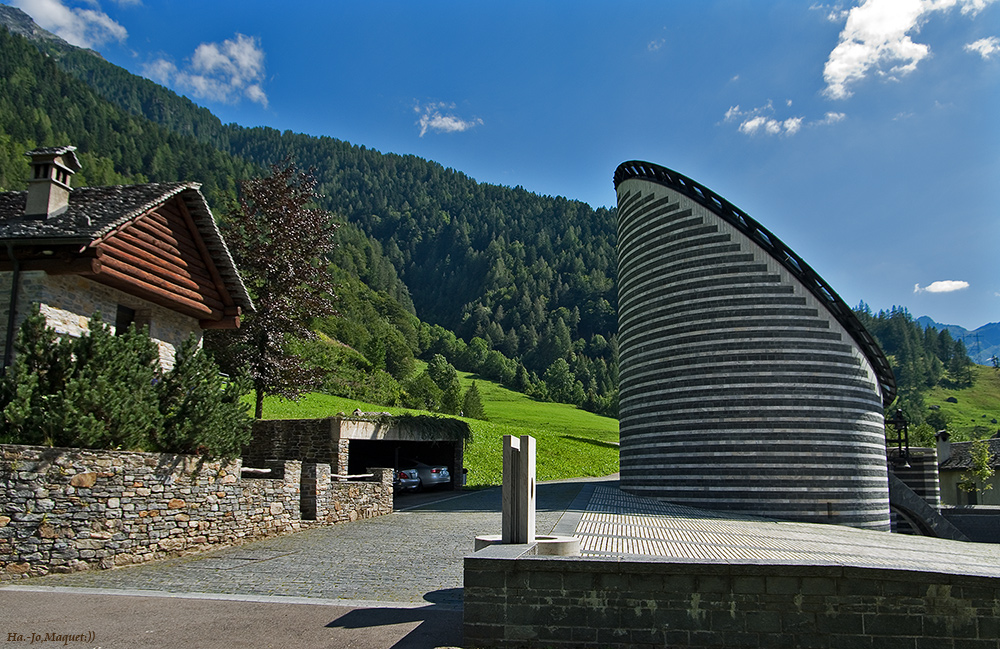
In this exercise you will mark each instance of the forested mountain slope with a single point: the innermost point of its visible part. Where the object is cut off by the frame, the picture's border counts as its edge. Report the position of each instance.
(532, 276)
(517, 269)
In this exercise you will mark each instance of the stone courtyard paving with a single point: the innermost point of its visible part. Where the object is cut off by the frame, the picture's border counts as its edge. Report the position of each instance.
(411, 557)
(613, 523)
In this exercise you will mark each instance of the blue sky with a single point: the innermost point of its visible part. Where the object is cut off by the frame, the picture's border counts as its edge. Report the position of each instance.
(864, 134)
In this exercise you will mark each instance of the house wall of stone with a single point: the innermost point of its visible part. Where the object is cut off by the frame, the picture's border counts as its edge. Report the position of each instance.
(740, 390)
(68, 302)
(72, 509)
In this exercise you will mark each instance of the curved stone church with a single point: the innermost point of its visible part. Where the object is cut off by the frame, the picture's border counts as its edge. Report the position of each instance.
(747, 384)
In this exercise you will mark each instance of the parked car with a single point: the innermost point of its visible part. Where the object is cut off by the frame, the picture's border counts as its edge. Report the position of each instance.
(406, 480)
(436, 475)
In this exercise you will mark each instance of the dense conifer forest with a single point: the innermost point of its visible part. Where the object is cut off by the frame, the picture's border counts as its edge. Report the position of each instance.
(921, 358)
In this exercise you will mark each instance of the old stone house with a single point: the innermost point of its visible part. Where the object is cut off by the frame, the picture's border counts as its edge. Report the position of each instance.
(148, 254)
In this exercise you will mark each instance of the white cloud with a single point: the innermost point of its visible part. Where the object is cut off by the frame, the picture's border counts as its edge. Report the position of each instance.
(79, 26)
(985, 47)
(655, 45)
(877, 38)
(941, 286)
(226, 71)
(758, 121)
(433, 119)
(834, 13)
(974, 6)
(831, 118)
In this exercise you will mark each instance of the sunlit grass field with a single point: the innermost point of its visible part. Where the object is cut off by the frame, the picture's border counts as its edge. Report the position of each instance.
(978, 405)
(571, 442)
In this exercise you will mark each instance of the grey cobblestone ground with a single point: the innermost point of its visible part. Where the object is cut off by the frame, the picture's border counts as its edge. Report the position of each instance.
(411, 556)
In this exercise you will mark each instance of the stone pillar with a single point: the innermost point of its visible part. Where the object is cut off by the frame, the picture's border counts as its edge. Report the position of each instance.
(518, 522)
(458, 474)
(338, 463)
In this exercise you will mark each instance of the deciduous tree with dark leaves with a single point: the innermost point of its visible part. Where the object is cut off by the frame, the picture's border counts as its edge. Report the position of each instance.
(279, 243)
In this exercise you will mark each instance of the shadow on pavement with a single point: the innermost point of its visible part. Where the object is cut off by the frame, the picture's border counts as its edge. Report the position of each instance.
(551, 497)
(440, 624)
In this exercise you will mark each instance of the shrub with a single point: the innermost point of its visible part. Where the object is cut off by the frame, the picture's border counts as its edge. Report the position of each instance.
(202, 412)
(107, 391)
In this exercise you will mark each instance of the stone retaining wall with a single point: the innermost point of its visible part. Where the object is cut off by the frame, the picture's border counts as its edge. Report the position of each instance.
(516, 600)
(71, 509)
(310, 440)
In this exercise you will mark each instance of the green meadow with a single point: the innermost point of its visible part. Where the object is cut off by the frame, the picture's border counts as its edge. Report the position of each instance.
(977, 406)
(571, 442)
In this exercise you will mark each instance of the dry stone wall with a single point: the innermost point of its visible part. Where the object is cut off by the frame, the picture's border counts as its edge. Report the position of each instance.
(63, 510)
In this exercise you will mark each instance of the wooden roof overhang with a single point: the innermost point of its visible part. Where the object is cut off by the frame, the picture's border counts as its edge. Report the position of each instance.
(160, 255)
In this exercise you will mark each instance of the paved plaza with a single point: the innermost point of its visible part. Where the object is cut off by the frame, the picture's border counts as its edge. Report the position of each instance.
(614, 523)
(396, 581)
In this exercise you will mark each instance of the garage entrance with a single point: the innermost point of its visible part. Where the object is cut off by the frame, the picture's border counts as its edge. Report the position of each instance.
(352, 444)
(365, 453)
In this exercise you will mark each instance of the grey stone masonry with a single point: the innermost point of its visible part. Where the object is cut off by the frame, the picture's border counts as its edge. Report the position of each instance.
(513, 599)
(63, 510)
(741, 390)
(328, 441)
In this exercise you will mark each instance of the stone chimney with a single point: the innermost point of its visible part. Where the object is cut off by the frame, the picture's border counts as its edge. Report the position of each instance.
(943, 446)
(48, 188)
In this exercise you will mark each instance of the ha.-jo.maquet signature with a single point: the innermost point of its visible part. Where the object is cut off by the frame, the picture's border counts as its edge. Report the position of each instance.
(41, 638)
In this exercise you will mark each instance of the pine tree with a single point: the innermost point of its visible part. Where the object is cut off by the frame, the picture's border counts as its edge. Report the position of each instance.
(472, 404)
(110, 397)
(106, 391)
(203, 413)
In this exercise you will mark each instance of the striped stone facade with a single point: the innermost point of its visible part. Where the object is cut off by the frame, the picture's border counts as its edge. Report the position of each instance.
(743, 387)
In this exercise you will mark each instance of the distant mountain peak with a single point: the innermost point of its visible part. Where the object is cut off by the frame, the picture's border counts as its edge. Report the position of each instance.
(983, 343)
(20, 23)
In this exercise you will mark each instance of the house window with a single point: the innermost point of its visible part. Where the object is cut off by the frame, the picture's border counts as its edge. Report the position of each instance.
(123, 318)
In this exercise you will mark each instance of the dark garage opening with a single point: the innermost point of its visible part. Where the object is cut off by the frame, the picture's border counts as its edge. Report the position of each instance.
(364, 454)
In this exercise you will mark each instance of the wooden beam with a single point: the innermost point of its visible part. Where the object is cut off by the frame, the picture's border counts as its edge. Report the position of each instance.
(172, 264)
(142, 247)
(57, 266)
(205, 254)
(169, 227)
(149, 240)
(155, 294)
(162, 269)
(153, 231)
(65, 253)
(159, 286)
(228, 322)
